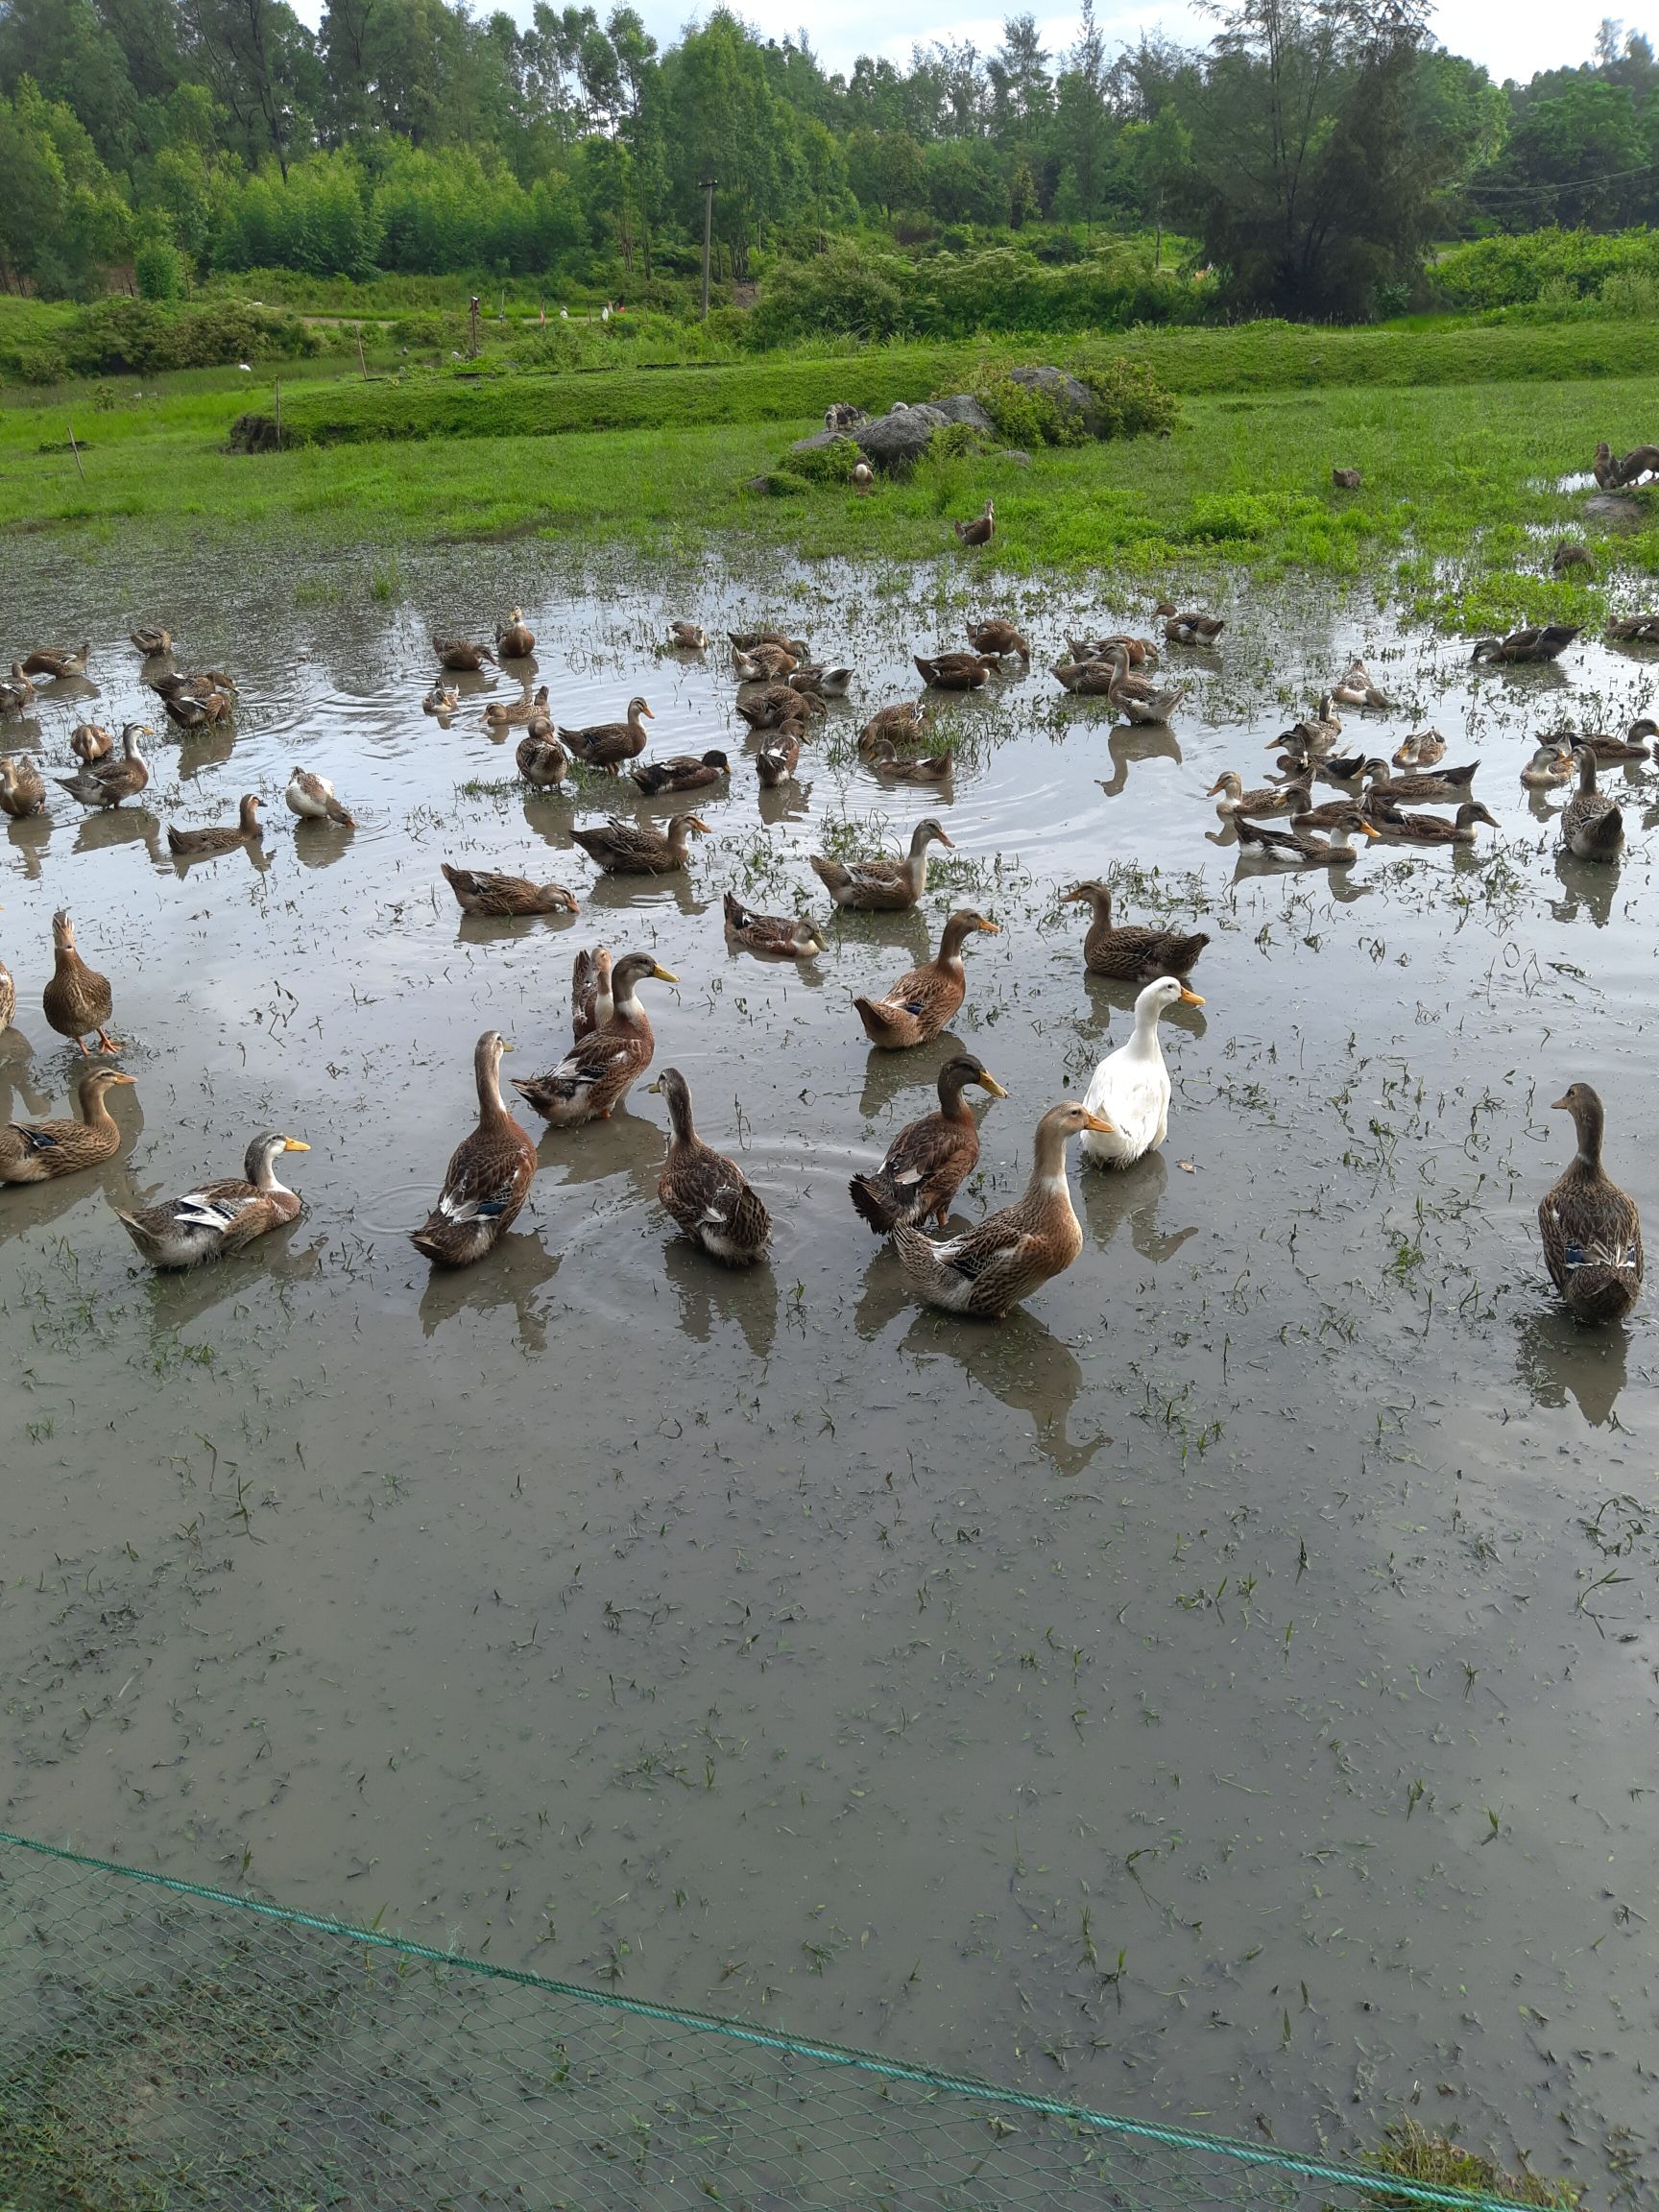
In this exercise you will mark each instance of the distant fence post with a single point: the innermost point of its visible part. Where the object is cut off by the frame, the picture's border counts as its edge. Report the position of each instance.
(76, 450)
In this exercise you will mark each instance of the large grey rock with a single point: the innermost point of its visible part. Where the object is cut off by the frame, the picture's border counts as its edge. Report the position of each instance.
(897, 442)
(1065, 390)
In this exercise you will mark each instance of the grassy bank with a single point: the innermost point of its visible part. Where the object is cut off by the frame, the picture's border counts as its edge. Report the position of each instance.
(1457, 514)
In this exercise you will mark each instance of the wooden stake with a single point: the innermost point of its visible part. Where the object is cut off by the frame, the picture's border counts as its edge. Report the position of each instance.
(278, 414)
(76, 450)
(361, 363)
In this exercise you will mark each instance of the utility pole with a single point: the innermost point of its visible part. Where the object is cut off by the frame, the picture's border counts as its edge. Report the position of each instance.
(707, 188)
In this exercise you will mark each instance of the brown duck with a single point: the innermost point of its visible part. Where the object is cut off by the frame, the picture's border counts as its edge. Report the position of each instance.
(776, 762)
(515, 713)
(681, 772)
(460, 655)
(481, 892)
(1193, 627)
(54, 663)
(40, 1152)
(1131, 952)
(930, 1159)
(899, 768)
(608, 744)
(980, 530)
(882, 885)
(999, 638)
(591, 1003)
(543, 761)
(16, 690)
(778, 707)
(77, 1000)
(205, 844)
(106, 783)
(488, 1178)
(22, 792)
(600, 1069)
(927, 999)
(516, 640)
(708, 1194)
(1591, 1229)
(954, 671)
(898, 724)
(780, 937)
(631, 849)
(221, 1217)
(90, 741)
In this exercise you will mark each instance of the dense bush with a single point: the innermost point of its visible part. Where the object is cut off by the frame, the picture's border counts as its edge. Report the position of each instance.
(139, 337)
(1542, 266)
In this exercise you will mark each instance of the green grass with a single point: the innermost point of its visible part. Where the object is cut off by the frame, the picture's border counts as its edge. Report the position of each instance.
(1454, 518)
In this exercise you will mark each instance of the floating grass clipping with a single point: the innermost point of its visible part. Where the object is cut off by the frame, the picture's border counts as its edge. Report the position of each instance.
(1415, 2154)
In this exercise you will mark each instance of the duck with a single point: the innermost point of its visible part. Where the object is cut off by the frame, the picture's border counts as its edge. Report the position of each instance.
(928, 768)
(1423, 749)
(513, 714)
(1636, 744)
(1434, 828)
(954, 671)
(980, 530)
(16, 690)
(930, 1159)
(908, 721)
(489, 1176)
(218, 1218)
(482, 891)
(1592, 826)
(1357, 687)
(191, 712)
(630, 848)
(99, 784)
(1137, 700)
(1192, 628)
(1346, 479)
(1303, 843)
(541, 760)
(1139, 652)
(515, 640)
(1590, 1230)
(1087, 679)
(829, 680)
(591, 1000)
(442, 699)
(8, 997)
(1130, 1089)
(1233, 800)
(1544, 642)
(863, 478)
(151, 643)
(189, 684)
(1633, 630)
(40, 1152)
(22, 791)
(926, 999)
(90, 741)
(600, 1069)
(708, 1194)
(54, 662)
(206, 843)
(1316, 734)
(689, 636)
(778, 707)
(750, 640)
(681, 772)
(776, 762)
(1549, 765)
(996, 637)
(767, 661)
(1450, 785)
(1015, 1252)
(1569, 559)
(311, 797)
(77, 1000)
(780, 937)
(1131, 952)
(460, 656)
(608, 744)
(882, 885)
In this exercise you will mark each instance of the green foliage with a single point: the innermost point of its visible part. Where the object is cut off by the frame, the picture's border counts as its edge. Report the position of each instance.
(1552, 267)
(1129, 401)
(1025, 415)
(830, 464)
(1414, 2153)
(142, 337)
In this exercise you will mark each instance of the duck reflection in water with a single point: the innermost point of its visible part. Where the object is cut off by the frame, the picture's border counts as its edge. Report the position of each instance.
(1589, 886)
(30, 839)
(714, 1298)
(1134, 1195)
(180, 1296)
(508, 1280)
(1557, 1359)
(1127, 744)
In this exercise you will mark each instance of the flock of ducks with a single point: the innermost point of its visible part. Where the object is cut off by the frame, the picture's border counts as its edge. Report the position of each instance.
(1591, 1235)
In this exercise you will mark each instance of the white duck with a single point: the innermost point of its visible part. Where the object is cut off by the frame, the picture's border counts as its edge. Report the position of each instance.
(1130, 1089)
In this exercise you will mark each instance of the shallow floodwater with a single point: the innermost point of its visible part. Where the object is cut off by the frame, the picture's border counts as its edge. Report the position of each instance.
(1225, 1692)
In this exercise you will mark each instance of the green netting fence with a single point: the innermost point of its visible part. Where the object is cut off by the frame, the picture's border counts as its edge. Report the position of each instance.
(164, 2046)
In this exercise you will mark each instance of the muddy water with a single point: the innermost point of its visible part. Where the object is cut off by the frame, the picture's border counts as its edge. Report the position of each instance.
(1225, 1692)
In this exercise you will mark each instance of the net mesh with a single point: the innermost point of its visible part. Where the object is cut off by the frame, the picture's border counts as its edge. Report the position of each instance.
(165, 2047)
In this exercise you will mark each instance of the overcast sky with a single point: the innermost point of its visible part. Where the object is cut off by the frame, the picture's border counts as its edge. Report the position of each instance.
(1512, 39)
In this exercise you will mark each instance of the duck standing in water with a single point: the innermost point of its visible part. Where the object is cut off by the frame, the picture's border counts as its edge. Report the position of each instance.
(1591, 1229)
(1130, 1089)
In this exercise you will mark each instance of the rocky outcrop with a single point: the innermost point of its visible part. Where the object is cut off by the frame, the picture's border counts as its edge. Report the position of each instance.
(897, 440)
(1066, 392)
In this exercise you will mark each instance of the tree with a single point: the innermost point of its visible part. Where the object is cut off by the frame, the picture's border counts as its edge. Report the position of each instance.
(1082, 123)
(1580, 158)
(1160, 161)
(886, 169)
(1021, 96)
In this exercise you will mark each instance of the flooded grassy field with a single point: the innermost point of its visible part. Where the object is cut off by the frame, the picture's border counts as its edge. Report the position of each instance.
(1221, 1693)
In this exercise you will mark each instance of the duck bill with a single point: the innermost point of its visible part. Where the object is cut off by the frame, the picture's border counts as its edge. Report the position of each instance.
(984, 1081)
(698, 824)
(1189, 997)
(654, 1089)
(1099, 1123)
(1215, 790)
(991, 929)
(664, 975)
(127, 1079)
(944, 840)
(1365, 829)
(289, 1143)
(1560, 1105)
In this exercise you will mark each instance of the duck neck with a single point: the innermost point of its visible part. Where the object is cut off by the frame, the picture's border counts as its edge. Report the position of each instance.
(957, 932)
(1589, 1121)
(262, 1173)
(95, 1107)
(1143, 1044)
(486, 1067)
(1586, 769)
(953, 1104)
(1049, 1163)
(680, 1114)
(625, 1003)
(247, 818)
